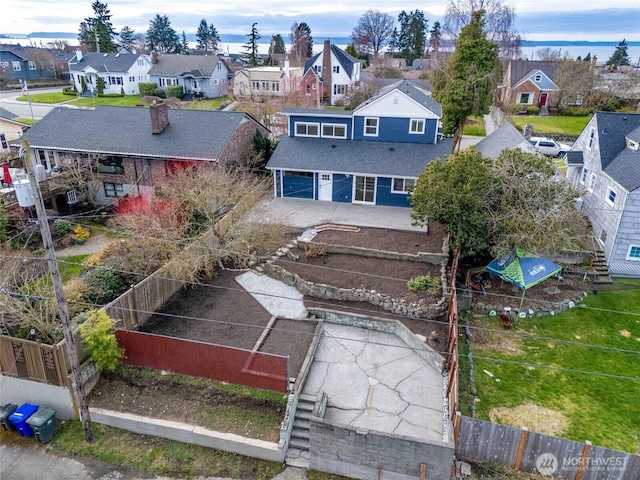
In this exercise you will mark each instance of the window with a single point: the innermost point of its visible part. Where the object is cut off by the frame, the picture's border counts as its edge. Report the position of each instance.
(275, 86)
(32, 65)
(224, 80)
(255, 85)
(592, 182)
(140, 62)
(317, 68)
(4, 144)
(115, 81)
(584, 175)
(292, 173)
(330, 130)
(339, 89)
(634, 252)
(132, 79)
(417, 126)
(110, 164)
(307, 129)
(371, 127)
(164, 82)
(592, 134)
(16, 66)
(264, 86)
(402, 185)
(325, 177)
(313, 86)
(114, 190)
(336, 69)
(611, 197)
(537, 78)
(525, 98)
(216, 81)
(603, 237)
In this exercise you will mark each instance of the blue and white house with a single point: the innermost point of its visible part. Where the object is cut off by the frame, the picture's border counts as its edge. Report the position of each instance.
(604, 166)
(371, 155)
(120, 72)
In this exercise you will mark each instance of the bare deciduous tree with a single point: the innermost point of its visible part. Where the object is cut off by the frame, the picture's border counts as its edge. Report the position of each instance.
(499, 24)
(373, 31)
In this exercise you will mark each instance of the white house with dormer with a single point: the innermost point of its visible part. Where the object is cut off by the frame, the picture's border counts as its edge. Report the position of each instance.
(339, 72)
(120, 72)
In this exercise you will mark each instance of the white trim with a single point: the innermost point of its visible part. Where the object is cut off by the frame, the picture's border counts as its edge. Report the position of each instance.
(591, 138)
(417, 131)
(629, 257)
(308, 124)
(375, 190)
(404, 185)
(343, 125)
(519, 98)
(592, 182)
(364, 126)
(608, 197)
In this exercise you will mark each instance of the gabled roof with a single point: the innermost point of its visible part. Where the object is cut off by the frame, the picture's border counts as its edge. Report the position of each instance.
(412, 91)
(545, 82)
(105, 62)
(520, 69)
(191, 134)
(350, 156)
(619, 162)
(346, 61)
(176, 65)
(7, 115)
(507, 136)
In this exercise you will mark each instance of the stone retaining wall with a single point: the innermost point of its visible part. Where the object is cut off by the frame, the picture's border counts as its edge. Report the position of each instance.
(398, 306)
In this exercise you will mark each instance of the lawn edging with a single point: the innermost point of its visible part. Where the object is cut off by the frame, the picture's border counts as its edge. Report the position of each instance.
(192, 434)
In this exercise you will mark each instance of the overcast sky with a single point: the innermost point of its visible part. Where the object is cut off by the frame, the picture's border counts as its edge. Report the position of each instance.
(537, 19)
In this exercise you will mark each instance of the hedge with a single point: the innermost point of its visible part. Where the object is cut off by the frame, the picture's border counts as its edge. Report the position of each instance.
(174, 91)
(147, 88)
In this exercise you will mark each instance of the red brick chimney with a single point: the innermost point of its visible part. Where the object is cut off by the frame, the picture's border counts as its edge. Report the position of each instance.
(154, 57)
(326, 68)
(159, 117)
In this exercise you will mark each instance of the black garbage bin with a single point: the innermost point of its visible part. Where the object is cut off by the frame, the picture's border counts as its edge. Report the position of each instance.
(5, 411)
(43, 423)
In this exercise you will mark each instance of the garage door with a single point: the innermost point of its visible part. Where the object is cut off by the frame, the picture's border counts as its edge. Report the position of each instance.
(297, 184)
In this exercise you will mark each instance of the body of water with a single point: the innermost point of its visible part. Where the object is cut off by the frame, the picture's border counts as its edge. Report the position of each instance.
(601, 52)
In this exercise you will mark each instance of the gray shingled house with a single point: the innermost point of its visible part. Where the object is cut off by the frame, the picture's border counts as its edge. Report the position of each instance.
(135, 147)
(205, 75)
(604, 165)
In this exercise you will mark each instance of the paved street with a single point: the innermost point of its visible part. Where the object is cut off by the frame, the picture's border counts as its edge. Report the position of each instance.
(21, 109)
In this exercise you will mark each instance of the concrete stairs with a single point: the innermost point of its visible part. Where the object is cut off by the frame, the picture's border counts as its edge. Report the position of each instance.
(544, 112)
(300, 432)
(599, 266)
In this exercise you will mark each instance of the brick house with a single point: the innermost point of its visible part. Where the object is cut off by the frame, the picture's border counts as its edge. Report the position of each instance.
(529, 83)
(132, 148)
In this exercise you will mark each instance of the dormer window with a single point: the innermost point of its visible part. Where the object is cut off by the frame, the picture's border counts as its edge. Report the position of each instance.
(632, 145)
(537, 78)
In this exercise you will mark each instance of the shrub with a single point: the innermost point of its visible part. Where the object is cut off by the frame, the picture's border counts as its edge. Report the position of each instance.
(315, 250)
(103, 286)
(417, 284)
(69, 90)
(159, 92)
(62, 226)
(100, 340)
(74, 291)
(174, 91)
(575, 112)
(147, 88)
(532, 110)
(111, 95)
(82, 234)
(100, 86)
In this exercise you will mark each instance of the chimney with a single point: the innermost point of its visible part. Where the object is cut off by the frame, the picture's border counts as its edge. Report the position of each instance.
(159, 117)
(78, 55)
(326, 68)
(527, 131)
(154, 57)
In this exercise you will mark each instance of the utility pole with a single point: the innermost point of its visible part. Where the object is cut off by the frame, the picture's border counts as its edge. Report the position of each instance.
(63, 311)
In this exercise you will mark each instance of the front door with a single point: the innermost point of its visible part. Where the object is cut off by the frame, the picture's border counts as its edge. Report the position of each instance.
(196, 89)
(543, 100)
(365, 190)
(325, 184)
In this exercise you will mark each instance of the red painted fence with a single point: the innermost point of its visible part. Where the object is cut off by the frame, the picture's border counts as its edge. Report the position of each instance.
(198, 359)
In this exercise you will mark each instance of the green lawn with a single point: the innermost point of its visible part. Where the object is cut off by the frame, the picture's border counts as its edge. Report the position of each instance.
(71, 267)
(51, 98)
(474, 126)
(213, 104)
(27, 121)
(126, 101)
(557, 124)
(597, 408)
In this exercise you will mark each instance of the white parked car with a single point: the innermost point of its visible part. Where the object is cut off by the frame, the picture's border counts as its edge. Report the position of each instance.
(549, 147)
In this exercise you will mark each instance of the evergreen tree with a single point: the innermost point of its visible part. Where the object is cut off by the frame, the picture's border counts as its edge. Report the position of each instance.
(410, 41)
(184, 45)
(587, 58)
(467, 85)
(301, 42)
(620, 55)
(276, 47)
(351, 50)
(251, 56)
(161, 37)
(435, 37)
(97, 32)
(207, 37)
(127, 37)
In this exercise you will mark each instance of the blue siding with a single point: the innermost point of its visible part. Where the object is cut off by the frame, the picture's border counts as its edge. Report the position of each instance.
(545, 83)
(385, 197)
(342, 188)
(298, 187)
(396, 130)
(319, 119)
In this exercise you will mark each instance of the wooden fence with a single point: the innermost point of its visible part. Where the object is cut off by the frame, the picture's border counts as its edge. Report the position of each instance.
(32, 361)
(526, 451)
(205, 360)
(452, 345)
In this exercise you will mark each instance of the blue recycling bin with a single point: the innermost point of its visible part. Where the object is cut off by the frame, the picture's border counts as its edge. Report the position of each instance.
(19, 419)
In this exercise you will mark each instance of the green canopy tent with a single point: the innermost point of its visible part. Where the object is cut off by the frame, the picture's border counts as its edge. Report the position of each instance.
(523, 269)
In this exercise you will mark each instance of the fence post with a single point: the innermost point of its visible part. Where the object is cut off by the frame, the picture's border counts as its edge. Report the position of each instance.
(585, 452)
(523, 437)
(456, 427)
(423, 471)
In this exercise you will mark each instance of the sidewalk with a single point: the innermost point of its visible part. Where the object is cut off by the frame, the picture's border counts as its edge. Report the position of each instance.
(493, 120)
